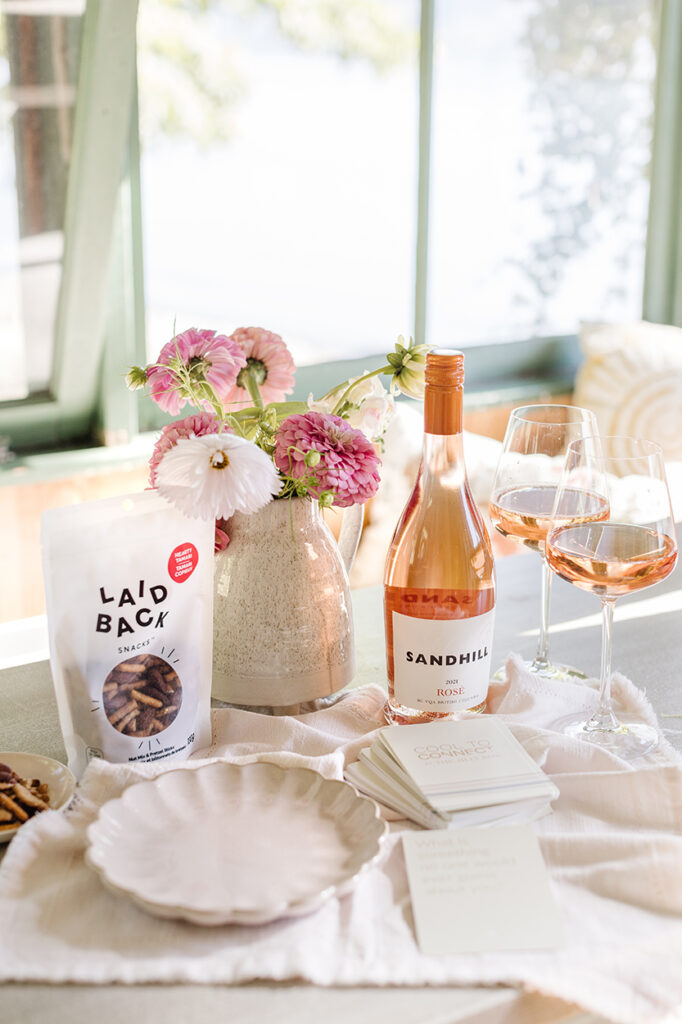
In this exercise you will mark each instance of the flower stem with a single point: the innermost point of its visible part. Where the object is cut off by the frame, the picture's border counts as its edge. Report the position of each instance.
(253, 389)
(366, 376)
(231, 421)
(284, 409)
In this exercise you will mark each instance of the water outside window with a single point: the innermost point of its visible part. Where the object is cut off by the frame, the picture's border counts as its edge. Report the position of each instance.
(279, 170)
(542, 126)
(280, 167)
(303, 218)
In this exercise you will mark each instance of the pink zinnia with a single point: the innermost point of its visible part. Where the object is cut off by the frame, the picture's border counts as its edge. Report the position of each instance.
(348, 465)
(207, 356)
(192, 426)
(270, 362)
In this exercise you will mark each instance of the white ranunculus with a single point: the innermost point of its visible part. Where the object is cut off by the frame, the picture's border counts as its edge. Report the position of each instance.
(216, 475)
(368, 408)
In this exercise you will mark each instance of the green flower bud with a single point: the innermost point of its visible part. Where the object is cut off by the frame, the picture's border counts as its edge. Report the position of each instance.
(411, 381)
(136, 378)
(312, 458)
(326, 499)
(409, 363)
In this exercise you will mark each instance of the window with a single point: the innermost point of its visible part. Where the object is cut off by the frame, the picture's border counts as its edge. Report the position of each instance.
(280, 173)
(293, 150)
(542, 130)
(38, 71)
(69, 222)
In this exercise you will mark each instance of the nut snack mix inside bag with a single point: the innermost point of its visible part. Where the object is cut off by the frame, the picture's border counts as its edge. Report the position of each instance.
(129, 589)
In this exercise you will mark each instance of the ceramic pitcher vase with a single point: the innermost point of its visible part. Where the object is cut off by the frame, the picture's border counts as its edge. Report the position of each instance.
(283, 622)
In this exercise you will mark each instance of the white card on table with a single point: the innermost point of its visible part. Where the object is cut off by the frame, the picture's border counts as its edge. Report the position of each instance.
(480, 890)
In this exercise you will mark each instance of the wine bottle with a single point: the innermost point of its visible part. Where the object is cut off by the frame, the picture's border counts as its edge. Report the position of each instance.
(439, 583)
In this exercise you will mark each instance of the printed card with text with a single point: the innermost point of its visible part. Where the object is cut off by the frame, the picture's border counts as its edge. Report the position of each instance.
(480, 890)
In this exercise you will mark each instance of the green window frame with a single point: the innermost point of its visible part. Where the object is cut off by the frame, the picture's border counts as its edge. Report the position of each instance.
(100, 320)
(98, 222)
(662, 301)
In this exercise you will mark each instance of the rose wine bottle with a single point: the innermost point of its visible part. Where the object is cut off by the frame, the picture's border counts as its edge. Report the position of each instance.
(439, 583)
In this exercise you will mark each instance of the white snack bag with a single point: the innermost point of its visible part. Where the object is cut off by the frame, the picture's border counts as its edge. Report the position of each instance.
(129, 588)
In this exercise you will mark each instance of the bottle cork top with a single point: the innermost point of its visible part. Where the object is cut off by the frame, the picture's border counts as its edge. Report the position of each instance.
(444, 368)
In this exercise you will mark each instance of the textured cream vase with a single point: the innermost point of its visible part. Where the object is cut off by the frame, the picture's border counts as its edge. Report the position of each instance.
(282, 615)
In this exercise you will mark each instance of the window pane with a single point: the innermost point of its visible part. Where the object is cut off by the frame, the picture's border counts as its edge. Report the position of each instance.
(279, 170)
(542, 135)
(38, 69)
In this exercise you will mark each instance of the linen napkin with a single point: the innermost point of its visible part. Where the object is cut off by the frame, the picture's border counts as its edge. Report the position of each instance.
(613, 847)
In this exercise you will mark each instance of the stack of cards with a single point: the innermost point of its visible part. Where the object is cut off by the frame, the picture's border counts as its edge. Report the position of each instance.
(463, 773)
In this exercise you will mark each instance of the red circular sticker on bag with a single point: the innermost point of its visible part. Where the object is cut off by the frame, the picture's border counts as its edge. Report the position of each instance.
(182, 562)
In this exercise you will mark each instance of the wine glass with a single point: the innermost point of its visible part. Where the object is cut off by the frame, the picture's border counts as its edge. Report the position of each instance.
(635, 547)
(524, 489)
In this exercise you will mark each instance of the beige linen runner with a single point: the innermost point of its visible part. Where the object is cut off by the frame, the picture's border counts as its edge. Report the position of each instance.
(612, 844)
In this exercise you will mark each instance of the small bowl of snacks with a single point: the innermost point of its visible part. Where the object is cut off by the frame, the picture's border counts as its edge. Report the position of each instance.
(30, 784)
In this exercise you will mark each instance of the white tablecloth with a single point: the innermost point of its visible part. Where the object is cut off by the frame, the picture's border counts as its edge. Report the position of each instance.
(612, 844)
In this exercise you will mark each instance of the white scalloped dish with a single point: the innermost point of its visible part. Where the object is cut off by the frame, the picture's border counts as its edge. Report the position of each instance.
(234, 844)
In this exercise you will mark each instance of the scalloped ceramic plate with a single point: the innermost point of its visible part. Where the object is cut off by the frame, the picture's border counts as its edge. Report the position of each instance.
(34, 766)
(234, 844)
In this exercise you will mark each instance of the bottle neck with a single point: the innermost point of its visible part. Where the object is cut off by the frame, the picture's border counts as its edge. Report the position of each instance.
(443, 457)
(442, 410)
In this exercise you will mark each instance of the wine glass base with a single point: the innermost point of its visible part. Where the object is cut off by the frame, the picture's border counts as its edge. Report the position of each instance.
(549, 671)
(631, 738)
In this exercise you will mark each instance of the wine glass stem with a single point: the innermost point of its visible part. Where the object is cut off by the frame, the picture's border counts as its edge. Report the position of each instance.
(541, 661)
(604, 718)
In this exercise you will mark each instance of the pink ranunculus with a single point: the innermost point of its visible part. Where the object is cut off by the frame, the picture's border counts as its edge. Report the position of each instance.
(271, 362)
(191, 426)
(348, 463)
(221, 538)
(206, 356)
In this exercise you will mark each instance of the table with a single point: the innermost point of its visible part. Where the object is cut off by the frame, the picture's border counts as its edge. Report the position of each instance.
(647, 646)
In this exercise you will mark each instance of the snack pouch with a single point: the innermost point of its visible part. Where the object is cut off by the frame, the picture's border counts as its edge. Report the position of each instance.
(129, 589)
